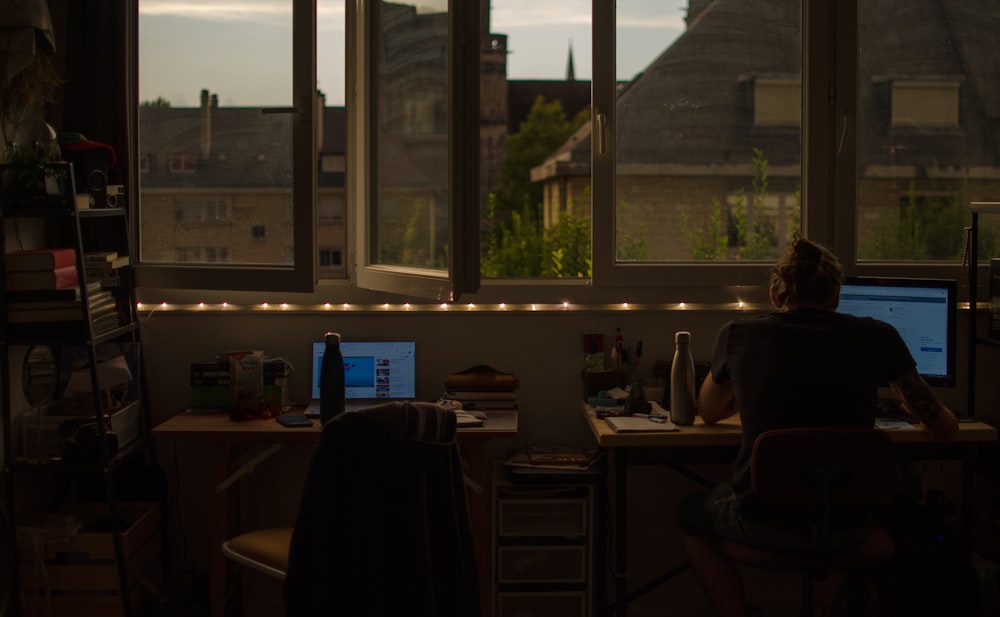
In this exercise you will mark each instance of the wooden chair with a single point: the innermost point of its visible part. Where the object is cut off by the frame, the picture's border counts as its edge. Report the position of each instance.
(812, 477)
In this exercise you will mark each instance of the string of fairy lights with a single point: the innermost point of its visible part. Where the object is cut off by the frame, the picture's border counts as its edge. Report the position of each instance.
(443, 307)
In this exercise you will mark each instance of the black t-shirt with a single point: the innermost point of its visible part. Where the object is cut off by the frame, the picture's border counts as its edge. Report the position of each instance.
(805, 368)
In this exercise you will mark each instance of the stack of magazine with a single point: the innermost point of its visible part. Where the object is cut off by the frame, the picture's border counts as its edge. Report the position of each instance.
(554, 457)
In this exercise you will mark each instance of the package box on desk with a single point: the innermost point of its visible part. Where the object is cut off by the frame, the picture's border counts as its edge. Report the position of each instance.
(211, 384)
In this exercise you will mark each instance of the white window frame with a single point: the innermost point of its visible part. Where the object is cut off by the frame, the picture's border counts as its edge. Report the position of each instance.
(829, 176)
(462, 275)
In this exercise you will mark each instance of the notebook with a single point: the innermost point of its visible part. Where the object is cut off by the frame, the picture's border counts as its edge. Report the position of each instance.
(375, 372)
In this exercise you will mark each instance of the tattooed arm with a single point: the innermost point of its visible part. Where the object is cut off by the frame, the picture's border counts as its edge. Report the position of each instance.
(919, 400)
(715, 400)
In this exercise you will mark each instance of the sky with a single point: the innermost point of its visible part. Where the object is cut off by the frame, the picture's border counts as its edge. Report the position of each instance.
(241, 49)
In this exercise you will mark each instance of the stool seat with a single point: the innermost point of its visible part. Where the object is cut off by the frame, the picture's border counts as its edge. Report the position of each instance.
(264, 550)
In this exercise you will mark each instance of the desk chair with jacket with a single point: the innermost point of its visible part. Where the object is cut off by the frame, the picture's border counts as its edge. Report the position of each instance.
(383, 525)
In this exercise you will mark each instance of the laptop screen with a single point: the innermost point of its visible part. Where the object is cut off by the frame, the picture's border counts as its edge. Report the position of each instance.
(372, 369)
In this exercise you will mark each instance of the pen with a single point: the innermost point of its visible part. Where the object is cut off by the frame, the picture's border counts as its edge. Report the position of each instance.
(655, 417)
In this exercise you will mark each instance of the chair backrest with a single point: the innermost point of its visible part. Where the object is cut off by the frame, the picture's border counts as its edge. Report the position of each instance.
(808, 468)
(383, 527)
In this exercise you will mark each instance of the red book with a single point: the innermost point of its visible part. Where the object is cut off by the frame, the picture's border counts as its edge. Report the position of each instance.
(59, 278)
(40, 259)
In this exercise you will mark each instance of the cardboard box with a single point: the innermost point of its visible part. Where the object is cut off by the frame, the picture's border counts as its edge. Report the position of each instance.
(67, 564)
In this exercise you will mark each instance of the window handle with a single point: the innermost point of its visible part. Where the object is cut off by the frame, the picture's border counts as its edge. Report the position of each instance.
(844, 124)
(602, 122)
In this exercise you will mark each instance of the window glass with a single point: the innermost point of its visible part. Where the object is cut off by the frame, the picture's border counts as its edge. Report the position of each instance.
(707, 132)
(206, 132)
(926, 143)
(411, 153)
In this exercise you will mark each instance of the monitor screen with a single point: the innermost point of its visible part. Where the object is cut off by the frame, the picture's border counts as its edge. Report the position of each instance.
(372, 369)
(921, 310)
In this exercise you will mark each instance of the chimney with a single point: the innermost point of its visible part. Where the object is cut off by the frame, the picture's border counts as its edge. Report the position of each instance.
(206, 123)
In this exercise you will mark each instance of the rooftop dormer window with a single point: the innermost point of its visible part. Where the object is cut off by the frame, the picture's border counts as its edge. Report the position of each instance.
(777, 101)
(925, 103)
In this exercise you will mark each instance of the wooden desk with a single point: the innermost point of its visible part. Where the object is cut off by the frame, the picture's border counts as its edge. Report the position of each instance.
(719, 443)
(226, 437)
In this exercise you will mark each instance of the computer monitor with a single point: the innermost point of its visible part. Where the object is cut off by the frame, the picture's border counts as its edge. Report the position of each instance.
(922, 311)
(372, 369)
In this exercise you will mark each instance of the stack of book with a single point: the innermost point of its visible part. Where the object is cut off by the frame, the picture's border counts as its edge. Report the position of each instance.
(102, 266)
(482, 388)
(41, 269)
(43, 287)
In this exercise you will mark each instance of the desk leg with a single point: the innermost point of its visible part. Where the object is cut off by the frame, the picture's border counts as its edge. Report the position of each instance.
(220, 527)
(474, 454)
(619, 462)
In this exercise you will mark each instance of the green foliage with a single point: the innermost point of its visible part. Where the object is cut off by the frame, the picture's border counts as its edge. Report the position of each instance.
(750, 233)
(761, 239)
(923, 228)
(157, 103)
(30, 169)
(567, 247)
(407, 239)
(542, 132)
(707, 243)
(516, 248)
(514, 241)
(634, 247)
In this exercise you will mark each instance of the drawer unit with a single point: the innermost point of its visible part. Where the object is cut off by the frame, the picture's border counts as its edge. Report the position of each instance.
(544, 543)
(542, 564)
(542, 604)
(523, 516)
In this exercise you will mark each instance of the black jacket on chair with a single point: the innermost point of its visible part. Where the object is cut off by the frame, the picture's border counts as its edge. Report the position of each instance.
(383, 526)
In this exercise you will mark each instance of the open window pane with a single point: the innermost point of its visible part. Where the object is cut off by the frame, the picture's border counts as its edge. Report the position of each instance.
(411, 166)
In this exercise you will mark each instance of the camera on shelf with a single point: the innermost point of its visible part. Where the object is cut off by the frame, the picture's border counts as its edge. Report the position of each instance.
(116, 196)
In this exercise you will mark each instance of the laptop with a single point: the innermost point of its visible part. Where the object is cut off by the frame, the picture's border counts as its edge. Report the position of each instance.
(375, 372)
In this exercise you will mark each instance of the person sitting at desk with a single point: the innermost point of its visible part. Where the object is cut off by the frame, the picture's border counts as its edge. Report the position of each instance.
(805, 365)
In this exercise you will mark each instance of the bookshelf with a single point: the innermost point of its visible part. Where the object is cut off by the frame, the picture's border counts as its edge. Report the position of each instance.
(74, 409)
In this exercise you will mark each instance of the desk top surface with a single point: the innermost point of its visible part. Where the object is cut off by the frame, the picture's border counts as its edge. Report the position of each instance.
(729, 432)
(218, 426)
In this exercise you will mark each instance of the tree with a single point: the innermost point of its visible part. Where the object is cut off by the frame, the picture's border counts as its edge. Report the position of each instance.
(515, 244)
(542, 132)
(923, 227)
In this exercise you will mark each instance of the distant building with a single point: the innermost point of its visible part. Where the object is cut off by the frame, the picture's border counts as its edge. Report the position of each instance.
(216, 181)
(688, 126)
